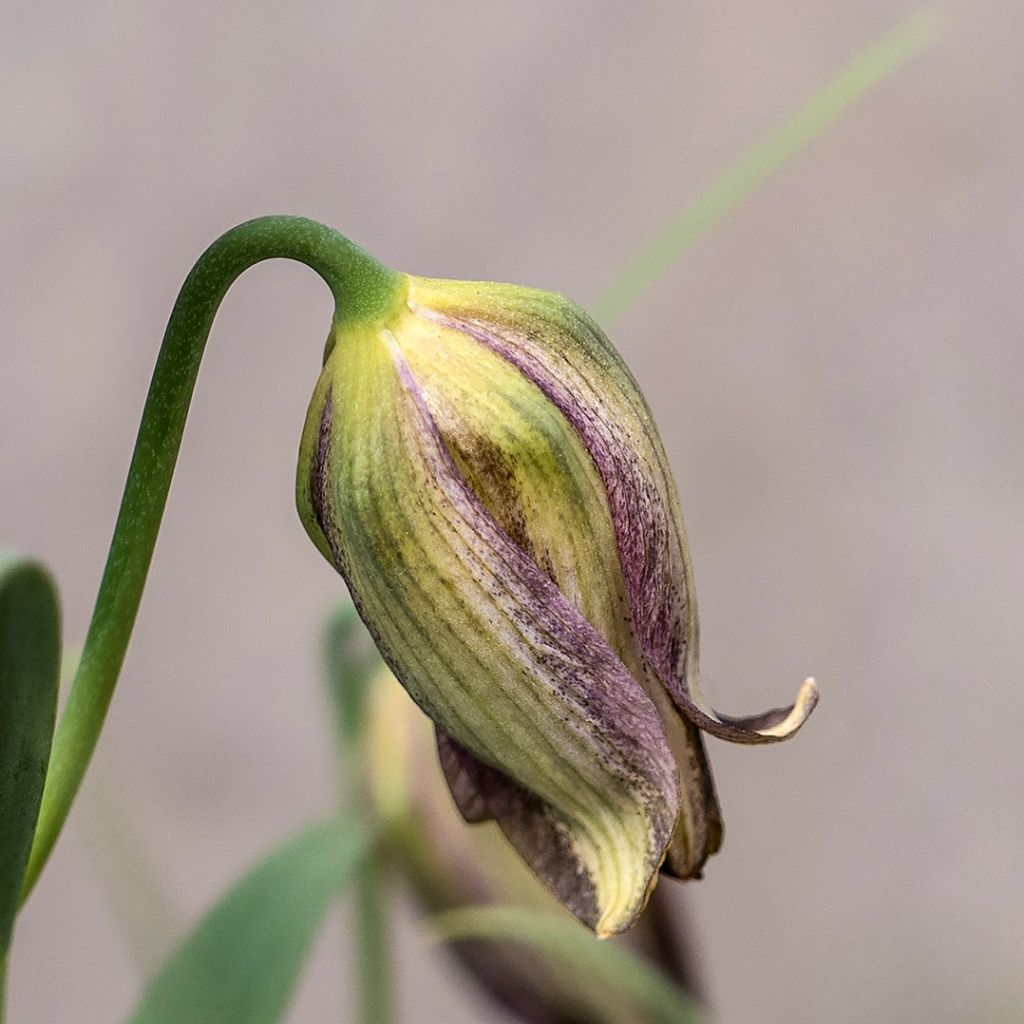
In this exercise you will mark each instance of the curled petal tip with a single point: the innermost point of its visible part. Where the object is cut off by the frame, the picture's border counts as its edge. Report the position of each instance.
(806, 701)
(769, 727)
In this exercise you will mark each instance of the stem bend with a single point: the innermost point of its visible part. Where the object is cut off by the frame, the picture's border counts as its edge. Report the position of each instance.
(362, 288)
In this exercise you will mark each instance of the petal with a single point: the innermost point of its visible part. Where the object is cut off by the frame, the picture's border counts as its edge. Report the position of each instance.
(482, 793)
(462, 772)
(560, 349)
(527, 822)
(483, 641)
(527, 464)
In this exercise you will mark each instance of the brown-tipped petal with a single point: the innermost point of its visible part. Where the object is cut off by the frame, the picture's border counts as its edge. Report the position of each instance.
(769, 727)
(449, 865)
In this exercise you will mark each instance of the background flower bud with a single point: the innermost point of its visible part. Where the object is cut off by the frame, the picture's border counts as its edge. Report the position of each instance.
(448, 866)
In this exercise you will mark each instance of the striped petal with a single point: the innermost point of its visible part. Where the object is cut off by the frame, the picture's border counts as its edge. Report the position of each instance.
(482, 793)
(479, 634)
(558, 348)
(529, 466)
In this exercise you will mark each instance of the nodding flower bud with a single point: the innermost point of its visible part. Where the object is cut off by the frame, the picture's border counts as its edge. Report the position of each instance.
(481, 467)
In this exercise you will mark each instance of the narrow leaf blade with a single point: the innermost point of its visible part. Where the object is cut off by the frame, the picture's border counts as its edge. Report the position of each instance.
(866, 70)
(29, 679)
(655, 997)
(242, 963)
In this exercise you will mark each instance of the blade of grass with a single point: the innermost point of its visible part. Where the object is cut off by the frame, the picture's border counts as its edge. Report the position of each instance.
(242, 963)
(29, 678)
(656, 998)
(823, 109)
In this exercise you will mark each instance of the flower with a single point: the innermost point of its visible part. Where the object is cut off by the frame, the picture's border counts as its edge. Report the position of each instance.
(482, 469)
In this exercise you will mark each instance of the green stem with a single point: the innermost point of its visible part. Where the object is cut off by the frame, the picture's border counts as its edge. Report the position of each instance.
(376, 1005)
(370, 911)
(4, 960)
(361, 288)
(352, 672)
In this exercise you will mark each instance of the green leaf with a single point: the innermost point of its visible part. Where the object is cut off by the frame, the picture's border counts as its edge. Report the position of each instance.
(655, 997)
(29, 680)
(242, 963)
(867, 69)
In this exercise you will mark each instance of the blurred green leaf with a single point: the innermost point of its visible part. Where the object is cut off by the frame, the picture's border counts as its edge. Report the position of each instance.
(29, 679)
(242, 963)
(351, 661)
(823, 109)
(648, 989)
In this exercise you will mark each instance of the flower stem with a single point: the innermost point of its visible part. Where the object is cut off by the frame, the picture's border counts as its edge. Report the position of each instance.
(376, 1004)
(352, 673)
(361, 288)
(3, 985)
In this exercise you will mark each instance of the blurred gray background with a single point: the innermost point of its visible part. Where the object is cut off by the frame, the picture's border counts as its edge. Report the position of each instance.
(838, 373)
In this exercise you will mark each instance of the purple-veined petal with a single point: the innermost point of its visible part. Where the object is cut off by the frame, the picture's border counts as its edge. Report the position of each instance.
(527, 464)
(449, 865)
(482, 639)
(557, 347)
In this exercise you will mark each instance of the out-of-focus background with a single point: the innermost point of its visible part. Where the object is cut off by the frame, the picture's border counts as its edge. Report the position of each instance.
(837, 370)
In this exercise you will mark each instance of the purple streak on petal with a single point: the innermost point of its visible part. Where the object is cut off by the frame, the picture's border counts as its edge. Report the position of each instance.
(319, 483)
(461, 778)
(527, 822)
(650, 548)
(600, 701)
(639, 516)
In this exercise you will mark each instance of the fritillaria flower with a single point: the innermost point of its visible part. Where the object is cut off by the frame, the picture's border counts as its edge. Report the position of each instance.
(482, 469)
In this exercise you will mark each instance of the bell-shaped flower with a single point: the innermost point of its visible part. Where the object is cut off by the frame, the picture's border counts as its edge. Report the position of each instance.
(481, 467)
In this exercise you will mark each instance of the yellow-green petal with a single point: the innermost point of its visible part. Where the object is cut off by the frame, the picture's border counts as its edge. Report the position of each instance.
(561, 350)
(481, 638)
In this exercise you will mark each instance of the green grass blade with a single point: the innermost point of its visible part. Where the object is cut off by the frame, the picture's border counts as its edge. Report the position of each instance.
(242, 963)
(29, 679)
(655, 997)
(823, 109)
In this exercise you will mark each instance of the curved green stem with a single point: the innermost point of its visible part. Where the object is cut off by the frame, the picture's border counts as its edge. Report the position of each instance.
(362, 288)
(3, 985)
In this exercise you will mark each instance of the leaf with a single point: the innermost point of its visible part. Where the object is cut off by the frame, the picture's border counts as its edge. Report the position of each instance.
(242, 963)
(646, 987)
(29, 680)
(868, 69)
